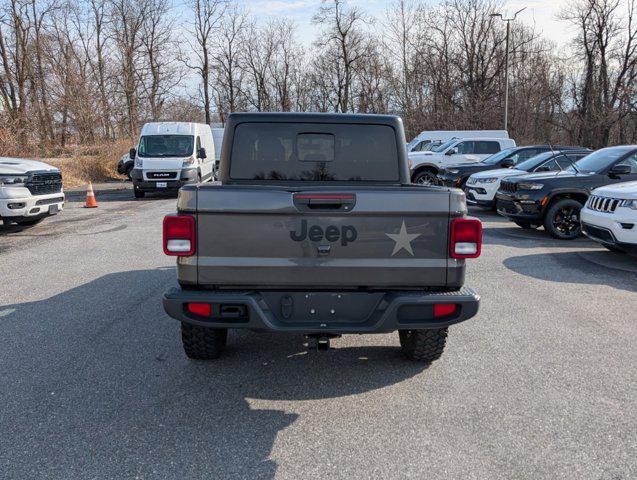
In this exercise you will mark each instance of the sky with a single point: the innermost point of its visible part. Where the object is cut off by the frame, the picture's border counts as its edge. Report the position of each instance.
(539, 13)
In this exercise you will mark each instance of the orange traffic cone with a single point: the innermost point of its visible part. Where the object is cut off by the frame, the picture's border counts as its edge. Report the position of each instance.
(90, 197)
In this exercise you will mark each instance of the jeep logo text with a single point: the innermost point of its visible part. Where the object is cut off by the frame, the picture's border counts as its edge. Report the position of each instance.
(315, 233)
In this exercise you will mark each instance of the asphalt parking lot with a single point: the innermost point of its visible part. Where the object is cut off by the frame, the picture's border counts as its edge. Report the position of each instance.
(94, 384)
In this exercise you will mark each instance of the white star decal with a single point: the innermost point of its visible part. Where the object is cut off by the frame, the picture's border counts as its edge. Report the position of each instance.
(403, 240)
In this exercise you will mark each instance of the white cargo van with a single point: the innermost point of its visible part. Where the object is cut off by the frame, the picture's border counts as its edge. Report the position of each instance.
(217, 136)
(424, 139)
(172, 154)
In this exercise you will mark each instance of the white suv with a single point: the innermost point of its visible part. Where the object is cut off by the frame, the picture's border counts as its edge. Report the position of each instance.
(426, 165)
(481, 187)
(610, 217)
(29, 191)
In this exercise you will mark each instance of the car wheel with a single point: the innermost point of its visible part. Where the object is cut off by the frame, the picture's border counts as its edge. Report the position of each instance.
(30, 222)
(562, 219)
(423, 346)
(138, 193)
(203, 343)
(425, 177)
(525, 225)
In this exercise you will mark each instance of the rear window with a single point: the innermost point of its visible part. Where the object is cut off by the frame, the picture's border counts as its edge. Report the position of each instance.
(314, 152)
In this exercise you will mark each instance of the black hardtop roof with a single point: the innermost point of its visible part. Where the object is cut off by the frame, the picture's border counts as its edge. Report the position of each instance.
(314, 117)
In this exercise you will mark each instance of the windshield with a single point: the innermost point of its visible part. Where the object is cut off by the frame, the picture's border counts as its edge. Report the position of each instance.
(165, 146)
(501, 155)
(601, 159)
(533, 162)
(444, 146)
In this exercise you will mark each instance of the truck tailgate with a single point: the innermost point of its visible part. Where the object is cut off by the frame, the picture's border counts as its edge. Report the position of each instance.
(380, 237)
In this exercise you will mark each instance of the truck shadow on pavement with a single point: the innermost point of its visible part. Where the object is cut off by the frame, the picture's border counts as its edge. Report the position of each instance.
(588, 267)
(95, 381)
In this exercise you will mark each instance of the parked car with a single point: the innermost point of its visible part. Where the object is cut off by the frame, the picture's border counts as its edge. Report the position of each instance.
(426, 165)
(29, 191)
(554, 199)
(423, 140)
(482, 187)
(610, 217)
(125, 165)
(170, 155)
(315, 229)
(217, 137)
(457, 175)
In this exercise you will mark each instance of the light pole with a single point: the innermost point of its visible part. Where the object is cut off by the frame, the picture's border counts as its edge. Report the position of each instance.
(506, 63)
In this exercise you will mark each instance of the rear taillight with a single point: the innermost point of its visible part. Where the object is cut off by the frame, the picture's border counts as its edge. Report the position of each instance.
(444, 309)
(466, 238)
(200, 309)
(179, 235)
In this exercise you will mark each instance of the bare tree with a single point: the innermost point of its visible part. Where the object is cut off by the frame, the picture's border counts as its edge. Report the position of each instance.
(344, 42)
(207, 18)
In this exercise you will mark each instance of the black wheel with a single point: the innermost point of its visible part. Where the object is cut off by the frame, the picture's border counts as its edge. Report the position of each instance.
(203, 343)
(128, 170)
(138, 193)
(562, 219)
(423, 345)
(524, 224)
(613, 248)
(30, 222)
(425, 177)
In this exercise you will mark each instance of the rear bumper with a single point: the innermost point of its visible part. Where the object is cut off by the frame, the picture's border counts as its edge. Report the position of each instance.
(322, 312)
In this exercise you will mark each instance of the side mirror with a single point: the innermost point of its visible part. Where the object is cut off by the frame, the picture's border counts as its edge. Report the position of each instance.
(132, 153)
(452, 151)
(202, 153)
(619, 170)
(507, 163)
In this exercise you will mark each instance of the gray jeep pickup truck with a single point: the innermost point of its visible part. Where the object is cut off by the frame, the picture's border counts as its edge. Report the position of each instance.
(314, 227)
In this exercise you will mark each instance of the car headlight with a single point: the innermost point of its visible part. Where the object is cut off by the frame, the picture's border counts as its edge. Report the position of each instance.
(530, 186)
(8, 179)
(453, 170)
(632, 204)
(487, 180)
(138, 162)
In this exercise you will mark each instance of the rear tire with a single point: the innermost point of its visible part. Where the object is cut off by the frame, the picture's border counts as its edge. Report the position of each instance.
(138, 193)
(423, 346)
(562, 219)
(203, 343)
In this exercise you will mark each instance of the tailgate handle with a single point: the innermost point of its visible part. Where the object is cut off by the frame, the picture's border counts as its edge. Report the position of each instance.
(325, 201)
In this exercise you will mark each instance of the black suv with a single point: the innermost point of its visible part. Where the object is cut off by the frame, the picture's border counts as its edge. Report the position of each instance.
(554, 199)
(457, 175)
(552, 160)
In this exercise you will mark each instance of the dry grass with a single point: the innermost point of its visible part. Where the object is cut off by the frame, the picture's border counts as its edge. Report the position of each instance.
(98, 163)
